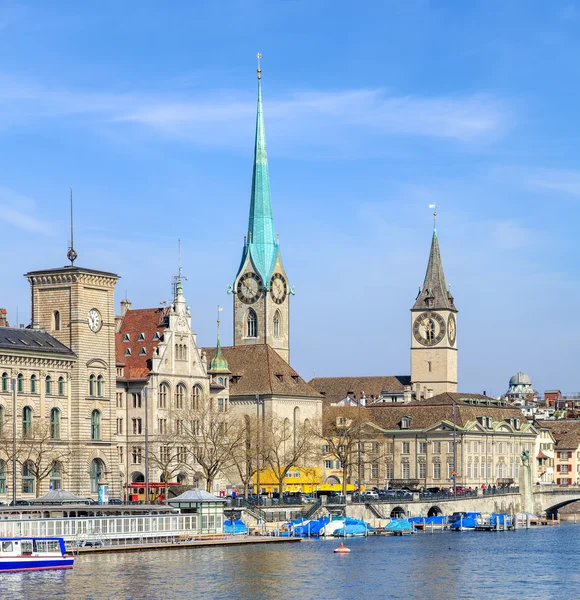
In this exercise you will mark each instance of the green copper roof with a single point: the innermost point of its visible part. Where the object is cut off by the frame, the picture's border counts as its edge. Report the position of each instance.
(218, 363)
(435, 294)
(261, 243)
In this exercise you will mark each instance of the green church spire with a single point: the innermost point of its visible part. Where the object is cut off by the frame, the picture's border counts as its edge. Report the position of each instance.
(261, 242)
(218, 363)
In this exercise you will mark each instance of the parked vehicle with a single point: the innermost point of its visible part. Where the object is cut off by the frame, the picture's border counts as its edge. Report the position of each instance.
(20, 503)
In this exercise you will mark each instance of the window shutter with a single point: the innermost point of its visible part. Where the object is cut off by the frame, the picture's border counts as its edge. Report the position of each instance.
(558, 468)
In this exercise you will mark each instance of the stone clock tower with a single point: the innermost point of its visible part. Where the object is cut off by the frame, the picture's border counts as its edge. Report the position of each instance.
(261, 290)
(434, 332)
(76, 306)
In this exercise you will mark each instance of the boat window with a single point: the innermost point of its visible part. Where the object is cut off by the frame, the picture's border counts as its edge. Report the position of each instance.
(26, 546)
(46, 546)
(7, 547)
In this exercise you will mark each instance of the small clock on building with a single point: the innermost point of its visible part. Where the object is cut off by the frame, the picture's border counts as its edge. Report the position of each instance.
(95, 321)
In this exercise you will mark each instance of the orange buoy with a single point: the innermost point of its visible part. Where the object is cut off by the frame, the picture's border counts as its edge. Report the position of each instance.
(341, 549)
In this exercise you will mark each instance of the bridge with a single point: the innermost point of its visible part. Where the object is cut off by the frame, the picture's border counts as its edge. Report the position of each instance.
(547, 500)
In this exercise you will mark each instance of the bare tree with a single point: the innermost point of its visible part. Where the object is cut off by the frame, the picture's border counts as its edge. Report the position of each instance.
(40, 452)
(212, 436)
(284, 446)
(343, 431)
(243, 463)
(168, 453)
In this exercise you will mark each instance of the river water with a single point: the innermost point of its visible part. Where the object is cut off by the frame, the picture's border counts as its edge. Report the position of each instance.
(536, 563)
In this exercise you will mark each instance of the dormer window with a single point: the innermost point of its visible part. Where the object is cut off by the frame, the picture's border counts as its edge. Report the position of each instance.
(128, 352)
(405, 421)
(518, 424)
(126, 338)
(156, 336)
(296, 378)
(143, 351)
(141, 337)
(280, 376)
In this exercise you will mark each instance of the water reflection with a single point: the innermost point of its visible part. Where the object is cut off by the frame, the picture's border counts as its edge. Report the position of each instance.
(443, 565)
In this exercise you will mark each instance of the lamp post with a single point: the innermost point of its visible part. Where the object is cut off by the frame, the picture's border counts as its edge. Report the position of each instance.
(258, 447)
(454, 452)
(146, 445)
(14, 389)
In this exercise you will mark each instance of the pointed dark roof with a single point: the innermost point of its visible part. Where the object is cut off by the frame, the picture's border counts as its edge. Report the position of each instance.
(31, 340)
(435, 294)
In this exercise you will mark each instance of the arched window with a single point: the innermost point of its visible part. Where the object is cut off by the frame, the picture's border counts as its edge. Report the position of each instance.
(28, 478)
(179, 395)
(277, 318)
(48, 386)
(33, 384)
(296, 422)
(56, 476)
(61, 386)
(100, 382)
(195, 397)
(97, 472)
(163, 393)
(4, 382)
(20, 383)
(252, 324)
(56, 321)
(95, 425)
(2, 475)
(92, 385)
(55, 424)
(26, 420)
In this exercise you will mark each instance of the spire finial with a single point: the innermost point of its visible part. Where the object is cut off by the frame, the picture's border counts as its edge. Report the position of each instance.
(71, 254)
(259, 70)
(219, 310)
(177, 288)
(434, 206)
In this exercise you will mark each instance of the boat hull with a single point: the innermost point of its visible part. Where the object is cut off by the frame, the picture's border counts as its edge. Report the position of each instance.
(11, 565)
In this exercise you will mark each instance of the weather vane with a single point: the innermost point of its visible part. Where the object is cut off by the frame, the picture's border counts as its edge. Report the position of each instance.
(259, 71)
(434, 206)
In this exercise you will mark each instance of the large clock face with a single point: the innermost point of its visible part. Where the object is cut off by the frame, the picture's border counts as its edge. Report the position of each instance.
(278, 288)
(249, 288)
(94, 320)
(451, 330)
(429, 328)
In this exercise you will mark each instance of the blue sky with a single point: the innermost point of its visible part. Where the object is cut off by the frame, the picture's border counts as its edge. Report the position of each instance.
(148, 111)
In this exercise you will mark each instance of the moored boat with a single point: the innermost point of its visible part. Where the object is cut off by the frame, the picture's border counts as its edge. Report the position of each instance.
(33, 554)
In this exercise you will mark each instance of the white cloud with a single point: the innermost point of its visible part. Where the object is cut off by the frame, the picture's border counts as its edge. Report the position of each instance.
(18, 210)
(312, 118)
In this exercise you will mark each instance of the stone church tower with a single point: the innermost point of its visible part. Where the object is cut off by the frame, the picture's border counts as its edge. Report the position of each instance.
(434, 332)
(261, 290)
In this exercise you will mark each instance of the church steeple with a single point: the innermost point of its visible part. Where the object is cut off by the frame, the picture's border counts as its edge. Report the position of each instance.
(218, 363)
(261, 243)
(261, 290)
(434, 294)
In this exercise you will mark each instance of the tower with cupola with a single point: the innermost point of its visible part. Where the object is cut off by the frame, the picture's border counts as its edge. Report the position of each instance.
(434, 332)
(261, 290)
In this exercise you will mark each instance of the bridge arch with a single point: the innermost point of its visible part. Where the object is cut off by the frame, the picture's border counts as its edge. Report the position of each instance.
(397, 512)
(434, 511)
(553, 510)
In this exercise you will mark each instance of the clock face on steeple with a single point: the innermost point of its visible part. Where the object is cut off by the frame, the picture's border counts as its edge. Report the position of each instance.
(429, 328)
(249, 288)
(278, 288)
(451, 330)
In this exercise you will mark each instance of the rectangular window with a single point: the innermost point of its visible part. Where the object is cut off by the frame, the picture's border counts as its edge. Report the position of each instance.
(136, 400)
(120, 451)
(422, 447)
(475, 447)
(450, 447)
(422, 470)
(489, 470)
(136, 455)
(119, 426)
(374, 470)
(437, 447)
(119, 399)
(389, 472)
(469, 447)
(436, 470)
(449, 470)
(406, 471)
(469, 470)
(564, 469)
(406, 447)
(390, 447)
(325, 449)
(374, 447)
(328, 464)
(475, 471)
(489, 447)
(221, 404)
(137, 426)
(165, 454)
(162, 426)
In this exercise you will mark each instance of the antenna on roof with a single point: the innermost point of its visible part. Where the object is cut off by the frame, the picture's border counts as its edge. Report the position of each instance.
(71, 254)
(176, 284)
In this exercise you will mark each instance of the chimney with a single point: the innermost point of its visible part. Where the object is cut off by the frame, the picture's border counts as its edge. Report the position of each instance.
(3, 318)
(363, 399)
(125, 306)
(407, 396)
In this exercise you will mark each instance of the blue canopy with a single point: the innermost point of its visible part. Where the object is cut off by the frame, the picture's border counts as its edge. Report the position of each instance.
(400, 526)
(235, 527)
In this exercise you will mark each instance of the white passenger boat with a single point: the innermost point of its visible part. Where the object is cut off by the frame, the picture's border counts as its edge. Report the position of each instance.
(33, 554)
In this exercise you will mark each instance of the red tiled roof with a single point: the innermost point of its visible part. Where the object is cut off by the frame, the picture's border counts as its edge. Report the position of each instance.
(147, 321)
(336, 389)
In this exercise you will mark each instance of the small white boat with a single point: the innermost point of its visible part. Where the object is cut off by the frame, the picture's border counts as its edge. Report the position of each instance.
(33, 554)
